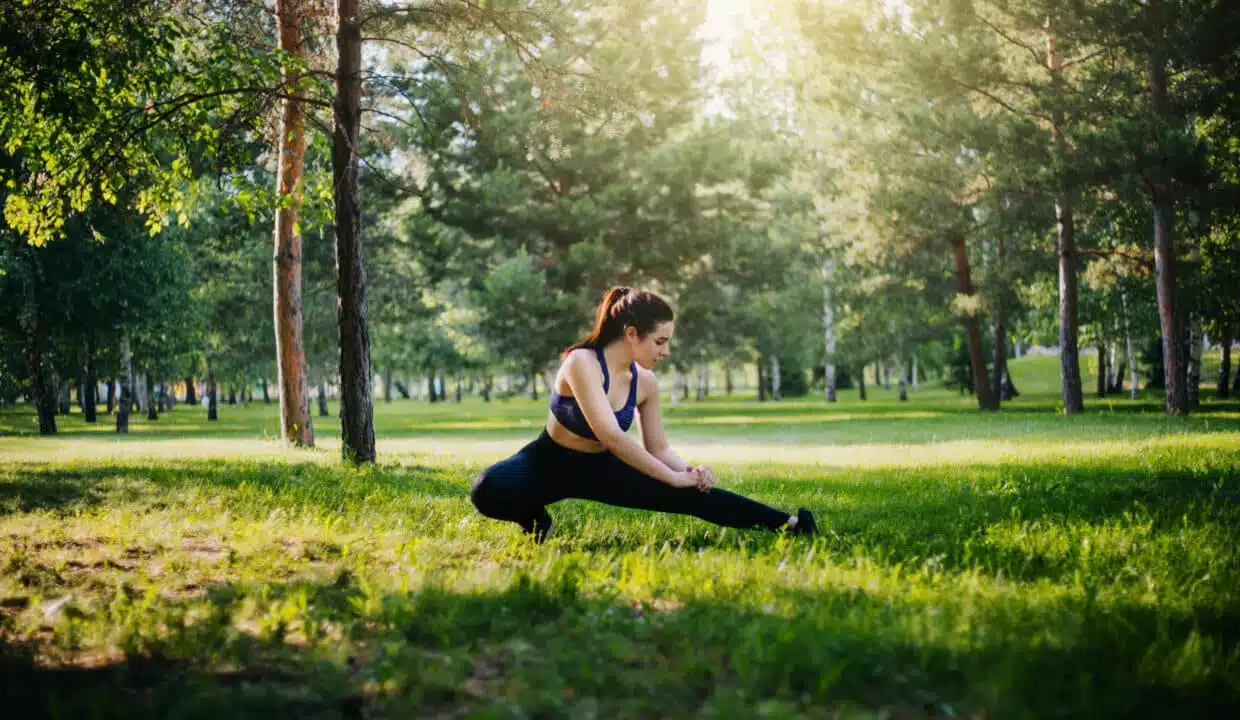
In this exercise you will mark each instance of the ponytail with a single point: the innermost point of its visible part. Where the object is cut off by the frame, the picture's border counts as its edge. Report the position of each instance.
(621, 307)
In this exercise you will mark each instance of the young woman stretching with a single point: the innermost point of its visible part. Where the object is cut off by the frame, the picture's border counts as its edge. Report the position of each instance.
(583, 452)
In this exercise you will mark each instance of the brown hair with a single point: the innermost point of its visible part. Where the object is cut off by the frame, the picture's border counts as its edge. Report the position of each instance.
(620, 308)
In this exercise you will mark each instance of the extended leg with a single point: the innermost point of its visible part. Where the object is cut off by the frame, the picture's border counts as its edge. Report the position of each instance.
(622, 485)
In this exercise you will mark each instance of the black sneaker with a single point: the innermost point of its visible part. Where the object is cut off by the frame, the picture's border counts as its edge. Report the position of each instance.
(540, 526)
(805, 524)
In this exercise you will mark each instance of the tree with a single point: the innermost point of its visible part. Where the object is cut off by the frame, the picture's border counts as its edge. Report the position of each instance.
(295, 424)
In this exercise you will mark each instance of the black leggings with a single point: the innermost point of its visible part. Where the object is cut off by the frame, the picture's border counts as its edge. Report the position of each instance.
(543, 472)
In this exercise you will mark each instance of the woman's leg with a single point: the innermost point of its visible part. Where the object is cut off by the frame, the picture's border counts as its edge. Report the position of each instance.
(617, 483)
(511, 490)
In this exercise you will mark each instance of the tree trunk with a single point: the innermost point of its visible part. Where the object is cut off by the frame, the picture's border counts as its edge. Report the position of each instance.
(1193, 372)
(727, 380)
(91, 385)
(1164, 227)
(902, 386)
(761, 380)
(861, 383)
(148, 389)
(1100, 384)
(1008, 390)
(886, 371)
(1069, 350)
(775, 378)
(458, 388)
(700, 391)
(387, 385)
(64, 403)
(323, 399)
(913, 373)
(191, 397)
(999, 328)
(356, 409)
(684, 385)
(213, 394)
(126, 399)
(1224, 367)
(985, 399)
(111, 395)
(296, 427)
(828, 319)
(1129, 354)
(486, 389)
(161, 398)
(41, 393)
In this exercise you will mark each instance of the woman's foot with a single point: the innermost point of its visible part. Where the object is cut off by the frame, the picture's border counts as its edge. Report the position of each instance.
(803, 523)
(540, 526)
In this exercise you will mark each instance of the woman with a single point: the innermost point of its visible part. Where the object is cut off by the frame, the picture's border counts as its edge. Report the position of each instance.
(583, 452)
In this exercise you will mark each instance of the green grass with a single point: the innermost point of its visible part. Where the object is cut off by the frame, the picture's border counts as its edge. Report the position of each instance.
(1019, 564)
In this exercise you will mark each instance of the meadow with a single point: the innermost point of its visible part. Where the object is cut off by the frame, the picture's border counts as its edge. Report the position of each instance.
(1007, 565)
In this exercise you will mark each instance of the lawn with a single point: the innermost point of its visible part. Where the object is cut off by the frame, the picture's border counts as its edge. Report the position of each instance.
(1009, 565)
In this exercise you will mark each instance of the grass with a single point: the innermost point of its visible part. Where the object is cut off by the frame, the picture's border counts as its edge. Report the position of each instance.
(1019, 564)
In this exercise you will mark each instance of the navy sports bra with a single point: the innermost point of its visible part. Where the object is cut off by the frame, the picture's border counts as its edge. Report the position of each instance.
(568, 412)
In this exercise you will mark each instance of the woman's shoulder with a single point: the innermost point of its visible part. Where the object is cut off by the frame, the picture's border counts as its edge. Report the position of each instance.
(646, 378)
(579, 360)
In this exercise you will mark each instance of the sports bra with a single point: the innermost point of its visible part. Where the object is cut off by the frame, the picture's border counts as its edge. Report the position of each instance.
(568, 412)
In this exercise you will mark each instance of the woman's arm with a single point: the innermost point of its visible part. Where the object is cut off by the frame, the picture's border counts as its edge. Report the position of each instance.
(651, 418)
(586, 381)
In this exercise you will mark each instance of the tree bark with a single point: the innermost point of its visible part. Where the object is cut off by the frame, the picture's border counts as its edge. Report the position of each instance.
(1100, 384)
(458, 388)
(861, 383)
(387, 385)
(1069, 346)
(41, 393)
(356, 408)
(296, 427)
(486, 389)
(148, 390)
(727, 380)
(1224, 368)
(64, 403)
(761, 380)
(913, 373)
(90, 386)
(1164, 227)
(901, 384)
(828, 318)
(999, 328)
(126, 399)
(1129, 353)
(323, 399)
(1192, 373)
(213, 393)
(702, 378)
(775, 378)
(985, 399)
(161, 398)
(111, 395)
(190, 397)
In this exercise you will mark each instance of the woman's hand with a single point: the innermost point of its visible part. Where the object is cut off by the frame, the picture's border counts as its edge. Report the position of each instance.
(688, 478)
(706, 477)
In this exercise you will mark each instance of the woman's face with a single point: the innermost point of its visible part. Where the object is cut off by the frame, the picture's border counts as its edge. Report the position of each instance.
(649, 350)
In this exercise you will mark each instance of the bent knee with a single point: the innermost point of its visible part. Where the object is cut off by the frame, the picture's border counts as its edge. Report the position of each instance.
(494, 492)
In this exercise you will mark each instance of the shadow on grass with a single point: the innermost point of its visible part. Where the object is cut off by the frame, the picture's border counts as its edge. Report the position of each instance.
(545, 649)
(31, 487)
